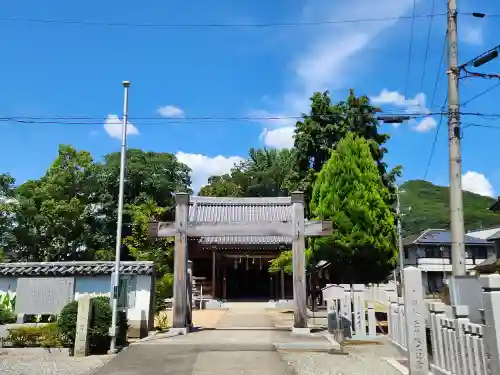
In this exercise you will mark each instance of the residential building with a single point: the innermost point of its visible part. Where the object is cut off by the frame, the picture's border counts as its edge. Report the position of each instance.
(431, 252)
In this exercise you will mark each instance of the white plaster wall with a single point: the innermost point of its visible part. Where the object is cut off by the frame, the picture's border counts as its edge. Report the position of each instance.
(139, 303)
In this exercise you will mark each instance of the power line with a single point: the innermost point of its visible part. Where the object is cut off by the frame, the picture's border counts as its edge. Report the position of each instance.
(427, 43)
(481, 126)
(480, 94)
(408, 65)
(209, 25)
(436, 82)
(434, 142)
(99, 119)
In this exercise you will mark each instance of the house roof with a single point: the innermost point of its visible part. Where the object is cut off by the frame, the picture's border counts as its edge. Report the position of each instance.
(494, 236)
(234, 210)
(495, 206)
(439, 236)
(483, 234)
(74, 268)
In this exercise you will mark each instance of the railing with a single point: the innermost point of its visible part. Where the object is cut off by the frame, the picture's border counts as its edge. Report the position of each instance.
(459, 347)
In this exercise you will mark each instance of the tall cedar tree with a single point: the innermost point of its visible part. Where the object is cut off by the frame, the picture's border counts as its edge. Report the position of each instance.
(323, 128)
(350, 192)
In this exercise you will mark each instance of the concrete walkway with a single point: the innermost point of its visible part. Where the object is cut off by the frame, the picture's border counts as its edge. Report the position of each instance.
(243, 342)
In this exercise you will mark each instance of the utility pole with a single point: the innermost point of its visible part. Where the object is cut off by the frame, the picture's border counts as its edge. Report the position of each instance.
(400, 238)
(116, 274)
(455, 159)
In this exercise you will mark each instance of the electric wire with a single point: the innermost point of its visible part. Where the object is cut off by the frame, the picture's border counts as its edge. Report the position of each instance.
(480, 94)
(210, 25)
(410, 48)
(426, 53)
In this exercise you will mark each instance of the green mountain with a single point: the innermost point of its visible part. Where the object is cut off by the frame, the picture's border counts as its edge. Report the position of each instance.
(430, 208)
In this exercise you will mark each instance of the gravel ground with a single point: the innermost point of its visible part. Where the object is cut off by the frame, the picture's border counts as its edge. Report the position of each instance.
(15, 362)
(362, 360)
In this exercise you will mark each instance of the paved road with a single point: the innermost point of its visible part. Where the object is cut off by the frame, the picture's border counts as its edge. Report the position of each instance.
(224, 351)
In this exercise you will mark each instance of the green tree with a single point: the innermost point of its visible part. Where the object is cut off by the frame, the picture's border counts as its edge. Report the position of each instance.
(8, 206)
(265, 173)
(325, 125)
(54, 215)
(140, 247)
(349, 191)
(149, 176)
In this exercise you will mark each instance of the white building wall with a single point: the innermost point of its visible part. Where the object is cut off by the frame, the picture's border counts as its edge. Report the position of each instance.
(139, 312)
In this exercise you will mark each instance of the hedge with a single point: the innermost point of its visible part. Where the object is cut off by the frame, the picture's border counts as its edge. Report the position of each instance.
(100, 323)
(46, 335)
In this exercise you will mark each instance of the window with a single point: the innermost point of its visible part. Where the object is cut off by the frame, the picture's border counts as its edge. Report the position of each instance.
(438, 252)
(407, 256)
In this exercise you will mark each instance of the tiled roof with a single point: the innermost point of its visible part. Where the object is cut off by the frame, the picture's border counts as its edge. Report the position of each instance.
(234, 210)
(74, 268)
(440, 236)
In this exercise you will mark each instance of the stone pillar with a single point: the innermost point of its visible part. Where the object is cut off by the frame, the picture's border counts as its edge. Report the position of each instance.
(491, 306)
(437, 311)
(372, 322)
(299, 264)
(415, 311)
(358, 302)
(82, 326)
(180, 309)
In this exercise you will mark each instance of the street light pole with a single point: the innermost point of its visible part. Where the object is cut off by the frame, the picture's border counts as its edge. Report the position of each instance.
(116, 274)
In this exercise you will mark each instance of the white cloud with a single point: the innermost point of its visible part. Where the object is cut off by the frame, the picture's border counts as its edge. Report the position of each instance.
(278, 138)
(471, 35)
(203, 166)
(425, 125)
(414, 105)
(170, 111)
(113, 126)
(328, 58)
(477, 183)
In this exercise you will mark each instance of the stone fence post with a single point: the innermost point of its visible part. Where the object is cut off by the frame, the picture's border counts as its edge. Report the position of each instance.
(491, 306)
(83, 319)
(415, 310)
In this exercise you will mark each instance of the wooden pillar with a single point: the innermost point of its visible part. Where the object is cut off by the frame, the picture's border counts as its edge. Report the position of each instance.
(180, 308)
(282, 283)
(299, 263)
(224, 283)
(271, 288)
(189, 292)
(214, 278)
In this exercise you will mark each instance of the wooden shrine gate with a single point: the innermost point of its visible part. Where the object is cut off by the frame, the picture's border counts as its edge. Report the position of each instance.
(297, 229)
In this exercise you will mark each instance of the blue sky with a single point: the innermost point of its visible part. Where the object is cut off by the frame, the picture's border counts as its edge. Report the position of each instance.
(177, 73)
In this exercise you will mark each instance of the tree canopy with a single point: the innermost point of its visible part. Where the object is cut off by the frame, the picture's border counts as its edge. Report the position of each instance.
(349, 192)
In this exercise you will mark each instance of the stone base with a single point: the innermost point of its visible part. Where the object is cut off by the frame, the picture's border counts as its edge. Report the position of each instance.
(138, 329)
(301, 331)
(212, 304)
(179, 331)
(285, 304)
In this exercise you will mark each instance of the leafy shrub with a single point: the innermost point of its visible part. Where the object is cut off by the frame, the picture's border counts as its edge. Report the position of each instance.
(46, 335)
(7, 316)
(161, 321)
(163, 290)
(98, 328)
(7, 300)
